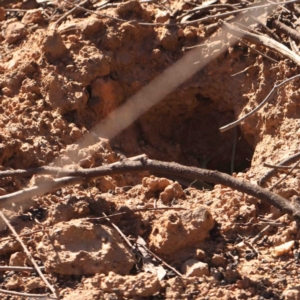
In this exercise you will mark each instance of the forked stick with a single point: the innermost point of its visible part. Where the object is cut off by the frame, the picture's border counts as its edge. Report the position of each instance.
(166, 168)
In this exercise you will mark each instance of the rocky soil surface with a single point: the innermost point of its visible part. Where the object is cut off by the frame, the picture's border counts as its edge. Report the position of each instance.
(64, 70)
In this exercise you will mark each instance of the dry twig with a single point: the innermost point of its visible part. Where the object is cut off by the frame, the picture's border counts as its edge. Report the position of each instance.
(160, 260)
(294, 34)
(269, 97)
(124, 237)
(262, 40)
(202, 8)
(282, 168)
(136, 210)
(259, 52)
(218, 16)
(281, 6)
(243, 71)
(69, 12)
(165, 168)
(27, 295)
(276, 223)
(261, 234)
(26, 194)
(17, 269)
(272, 172)
(52, 289)
(24, 234)
(270, 32)
(294, 47)
(285, 176)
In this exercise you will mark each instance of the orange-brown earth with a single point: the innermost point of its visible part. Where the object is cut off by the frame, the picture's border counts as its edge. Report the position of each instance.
(59, 80)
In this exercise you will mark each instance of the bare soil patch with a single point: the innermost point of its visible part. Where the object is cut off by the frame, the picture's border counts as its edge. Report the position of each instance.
(59, 78)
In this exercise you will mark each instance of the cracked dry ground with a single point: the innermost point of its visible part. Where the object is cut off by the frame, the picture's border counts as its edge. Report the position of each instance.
(56, 85)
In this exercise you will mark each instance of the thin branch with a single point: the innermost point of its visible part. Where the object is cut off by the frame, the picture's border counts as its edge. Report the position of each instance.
(17, 268)
(56, 171)
(245, 27)
(124, 237)
(207, 45)
(52, 289)
(269, 97)
(285, 176)
(29, 296)
(24, 234)
(184, 23)
(263, 231)
(202, 8)
(243, 71)
(249, 244)
(261, 223)
(69, 12)
(281, 6)
(166, 168)
(235, 12)
(272, 172)
(283, 168)
(259, 52)
(136, 210)
(16, 10)
(270, 32)
(267, 221)
(160, 260)
(294, 47)
(261, 40)
(95, 13)
(290, 32)
(26, 194)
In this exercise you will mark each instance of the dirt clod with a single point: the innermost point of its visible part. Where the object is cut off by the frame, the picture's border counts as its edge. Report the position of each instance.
(14, 282)
(14, 32)
(194, 267)
(53, 46)
(34, 283)
(176, 230)
(85, 249)
(18, 259)
(33, 16)
(172, 191)
(142, 285)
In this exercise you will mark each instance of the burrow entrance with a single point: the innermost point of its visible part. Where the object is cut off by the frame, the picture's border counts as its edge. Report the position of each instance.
(185, 128)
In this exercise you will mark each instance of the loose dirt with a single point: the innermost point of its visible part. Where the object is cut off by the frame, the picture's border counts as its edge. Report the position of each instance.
(60, 78)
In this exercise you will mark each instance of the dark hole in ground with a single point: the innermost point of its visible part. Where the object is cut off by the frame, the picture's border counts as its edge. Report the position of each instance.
(70, 116)
(185, 129)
